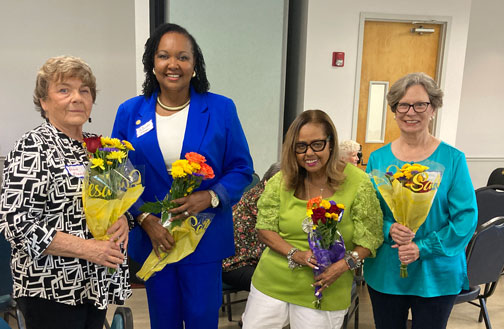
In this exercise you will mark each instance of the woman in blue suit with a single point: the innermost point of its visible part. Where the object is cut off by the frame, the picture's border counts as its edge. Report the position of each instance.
(176, 114)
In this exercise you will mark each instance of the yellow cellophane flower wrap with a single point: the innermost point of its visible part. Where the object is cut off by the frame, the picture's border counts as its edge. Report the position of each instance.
(101, 213)
(187, 237)
(409, 191)
(409, 208)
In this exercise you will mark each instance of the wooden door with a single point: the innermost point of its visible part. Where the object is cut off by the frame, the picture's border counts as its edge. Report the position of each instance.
(390, 51)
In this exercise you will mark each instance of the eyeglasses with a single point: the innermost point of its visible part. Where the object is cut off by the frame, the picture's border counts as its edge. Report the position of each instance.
(316, 146)
(419, 107)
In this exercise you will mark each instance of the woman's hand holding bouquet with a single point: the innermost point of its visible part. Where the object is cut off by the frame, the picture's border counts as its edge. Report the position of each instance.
(180, 215)
(325, 240)
(111, 185)
(408, 192)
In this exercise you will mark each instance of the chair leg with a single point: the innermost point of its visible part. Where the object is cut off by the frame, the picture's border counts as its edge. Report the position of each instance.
(345, 322)
(356, 313)
(228, 307)
(487, 288)
(485, 313)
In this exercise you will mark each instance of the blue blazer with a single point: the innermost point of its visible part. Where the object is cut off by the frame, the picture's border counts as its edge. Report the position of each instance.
(213, 130)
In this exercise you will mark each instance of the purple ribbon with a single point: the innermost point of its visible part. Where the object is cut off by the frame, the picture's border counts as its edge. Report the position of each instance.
(325, 257)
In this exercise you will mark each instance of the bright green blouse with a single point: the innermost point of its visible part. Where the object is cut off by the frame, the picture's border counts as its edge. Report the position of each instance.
(280, 211)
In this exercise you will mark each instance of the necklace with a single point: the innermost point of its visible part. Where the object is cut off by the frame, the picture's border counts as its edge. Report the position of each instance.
(173, 108)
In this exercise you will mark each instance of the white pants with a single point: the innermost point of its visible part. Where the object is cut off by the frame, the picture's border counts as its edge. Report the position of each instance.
(266, 312)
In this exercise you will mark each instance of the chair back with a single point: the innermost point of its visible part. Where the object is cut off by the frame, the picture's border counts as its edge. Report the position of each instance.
(490, 201)
(496, 177)
(485, 253)
(5, 267)
(255, 180)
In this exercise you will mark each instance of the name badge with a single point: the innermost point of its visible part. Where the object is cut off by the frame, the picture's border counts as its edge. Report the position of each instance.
(76, 170)
(145, 128)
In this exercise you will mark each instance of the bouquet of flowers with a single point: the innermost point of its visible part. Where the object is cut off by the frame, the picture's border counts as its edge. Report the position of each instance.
(111, 183)
(409, 192)
(324, 238)
(187, 176)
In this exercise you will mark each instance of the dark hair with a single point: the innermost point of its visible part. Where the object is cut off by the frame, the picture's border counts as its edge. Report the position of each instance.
(293, 174)
(150, 85)
(272, 170)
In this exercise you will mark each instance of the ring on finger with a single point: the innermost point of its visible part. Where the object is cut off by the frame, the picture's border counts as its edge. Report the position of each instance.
(186, 213)
(326, 285)
(309, 259)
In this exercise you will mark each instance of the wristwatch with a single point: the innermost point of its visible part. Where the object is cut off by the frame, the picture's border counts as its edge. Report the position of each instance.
(352, 259)
(215, 199)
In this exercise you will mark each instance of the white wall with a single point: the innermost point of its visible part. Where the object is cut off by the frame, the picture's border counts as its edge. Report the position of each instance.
(333, 25)
(244, 44)
(481, 120)
(100, 32)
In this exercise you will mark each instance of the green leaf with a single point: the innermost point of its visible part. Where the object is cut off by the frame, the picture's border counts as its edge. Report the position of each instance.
(152, 207)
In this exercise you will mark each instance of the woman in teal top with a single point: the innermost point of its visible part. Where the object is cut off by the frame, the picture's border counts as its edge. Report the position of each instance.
(435, 254)
(282, 291)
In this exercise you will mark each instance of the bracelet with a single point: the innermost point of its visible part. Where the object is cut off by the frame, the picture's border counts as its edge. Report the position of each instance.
(353, 260)
(292, 263)
(142, 217)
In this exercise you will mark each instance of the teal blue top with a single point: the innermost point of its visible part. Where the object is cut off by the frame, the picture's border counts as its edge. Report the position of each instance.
(442, 238)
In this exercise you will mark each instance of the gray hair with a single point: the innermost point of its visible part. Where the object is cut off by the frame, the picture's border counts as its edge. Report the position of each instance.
(399, 88)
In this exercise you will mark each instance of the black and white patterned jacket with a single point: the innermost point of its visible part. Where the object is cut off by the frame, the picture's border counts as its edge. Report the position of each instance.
(40, 197)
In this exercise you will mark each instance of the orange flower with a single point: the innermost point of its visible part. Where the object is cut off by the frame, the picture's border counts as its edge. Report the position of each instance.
(206, 171)
(195, 157)
(313, 201)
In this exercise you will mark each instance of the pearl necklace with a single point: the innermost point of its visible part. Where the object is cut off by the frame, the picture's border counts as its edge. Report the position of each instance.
(173, 108)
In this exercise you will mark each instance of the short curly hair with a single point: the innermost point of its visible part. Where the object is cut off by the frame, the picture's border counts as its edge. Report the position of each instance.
(347, 147)
(150, 85)
(399, 88)
(57, 69)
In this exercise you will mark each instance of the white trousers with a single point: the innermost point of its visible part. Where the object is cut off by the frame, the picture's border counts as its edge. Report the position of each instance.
(265, 312)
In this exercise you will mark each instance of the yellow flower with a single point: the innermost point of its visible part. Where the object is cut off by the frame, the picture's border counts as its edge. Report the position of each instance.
(327, 215)
(98, 162)
(309, 212)
(128, 145)
(335, 216)
(187, 167)
(326, 204)
(195, 166)
(106, 141)
(177, 172)
(109, 163)
(398, 175)
(314, 227)
(117, 155)
(340, 205)
(190, 189)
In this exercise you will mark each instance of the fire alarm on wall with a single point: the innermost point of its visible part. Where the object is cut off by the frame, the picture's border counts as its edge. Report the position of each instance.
(338, 59)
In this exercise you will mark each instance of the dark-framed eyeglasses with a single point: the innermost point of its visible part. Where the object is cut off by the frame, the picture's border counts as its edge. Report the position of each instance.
(316, 146)
(419, 107)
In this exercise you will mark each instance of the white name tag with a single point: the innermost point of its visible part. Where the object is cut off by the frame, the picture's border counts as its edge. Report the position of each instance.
(76, 170)
(146, 127)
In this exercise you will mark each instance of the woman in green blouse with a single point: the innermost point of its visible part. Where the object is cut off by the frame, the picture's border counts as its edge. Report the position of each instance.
(282, 291)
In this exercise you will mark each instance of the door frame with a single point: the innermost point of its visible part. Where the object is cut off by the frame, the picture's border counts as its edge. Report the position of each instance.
(444, 21)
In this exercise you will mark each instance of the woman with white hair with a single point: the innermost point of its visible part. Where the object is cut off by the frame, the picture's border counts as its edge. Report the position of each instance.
(349, 151)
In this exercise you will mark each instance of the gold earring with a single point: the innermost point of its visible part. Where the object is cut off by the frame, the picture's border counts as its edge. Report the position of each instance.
(193, 74)
(153, 71)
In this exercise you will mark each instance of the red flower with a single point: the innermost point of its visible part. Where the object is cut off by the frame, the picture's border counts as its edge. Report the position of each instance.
(93, 143)
(319, 214)
(334, 209)
(195, 157)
